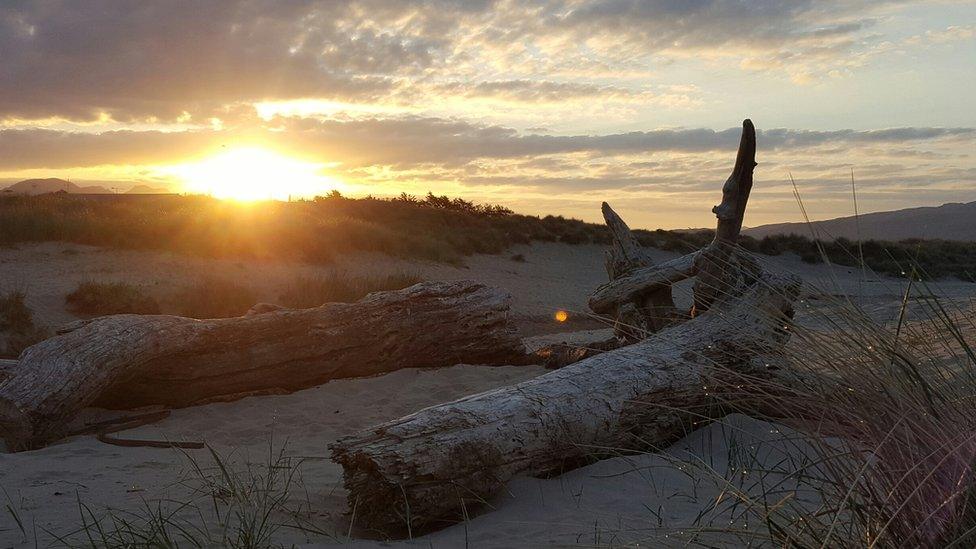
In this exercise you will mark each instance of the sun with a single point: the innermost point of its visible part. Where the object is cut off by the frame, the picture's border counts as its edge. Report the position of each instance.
(253, 173)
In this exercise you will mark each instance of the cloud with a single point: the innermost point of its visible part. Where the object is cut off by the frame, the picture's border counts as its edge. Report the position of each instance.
(158, 60)
(415, 141)
(952, 33)
(666, 169)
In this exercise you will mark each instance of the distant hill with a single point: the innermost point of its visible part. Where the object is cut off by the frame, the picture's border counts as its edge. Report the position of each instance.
(42, 186)
(147, 189)
(953, 221)
(54, 185)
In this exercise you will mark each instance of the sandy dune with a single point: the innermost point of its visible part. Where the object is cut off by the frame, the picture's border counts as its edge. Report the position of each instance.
(650, 499)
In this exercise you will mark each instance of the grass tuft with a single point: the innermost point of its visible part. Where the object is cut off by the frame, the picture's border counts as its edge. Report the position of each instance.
(884, 415)
(214, 298)
(340, 286)
(230, 504)
(17, 328)
(110, 298)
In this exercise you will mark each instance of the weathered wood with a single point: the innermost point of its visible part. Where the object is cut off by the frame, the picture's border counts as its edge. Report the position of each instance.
(429, 468)
(125, 361)
(651, 310)
(717, 268)
(6, 364)
(637, 282)
(558, 355)
(714, 275)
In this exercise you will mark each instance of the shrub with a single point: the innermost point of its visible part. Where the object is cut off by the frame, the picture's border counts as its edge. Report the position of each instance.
(214, 298)
(437, 228)
(101, 298)
(17, 328)
(339, 286)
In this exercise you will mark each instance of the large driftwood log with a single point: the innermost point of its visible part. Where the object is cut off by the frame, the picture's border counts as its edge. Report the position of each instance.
(134, 360)
(426, 469)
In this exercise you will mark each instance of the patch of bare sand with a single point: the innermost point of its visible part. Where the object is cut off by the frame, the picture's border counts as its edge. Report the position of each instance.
(552, 277)
(45, 486)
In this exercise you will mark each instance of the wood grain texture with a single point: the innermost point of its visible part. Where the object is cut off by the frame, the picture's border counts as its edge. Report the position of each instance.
(644, 312)
(426, 469)
(713, 267)
(639, 281)
(125, 361)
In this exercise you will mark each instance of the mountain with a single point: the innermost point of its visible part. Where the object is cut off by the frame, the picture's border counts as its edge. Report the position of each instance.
(42, 186)
(53, 185)
(952, 221)
(146, 189)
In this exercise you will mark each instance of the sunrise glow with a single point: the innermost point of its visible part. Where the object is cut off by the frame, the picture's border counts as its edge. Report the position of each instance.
(253, 173)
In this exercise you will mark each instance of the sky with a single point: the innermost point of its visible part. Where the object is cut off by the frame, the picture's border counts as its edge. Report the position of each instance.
(545, 107)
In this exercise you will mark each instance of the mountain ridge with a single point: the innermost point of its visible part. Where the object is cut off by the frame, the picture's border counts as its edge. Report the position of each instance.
(950, 221)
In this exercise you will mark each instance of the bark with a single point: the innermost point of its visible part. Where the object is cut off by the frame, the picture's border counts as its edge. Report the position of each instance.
(714, 275)
(429, 468)
(627, 288)
(558, 355)
(645, 312)
(6, 365)
(719, 269)
(126, 361)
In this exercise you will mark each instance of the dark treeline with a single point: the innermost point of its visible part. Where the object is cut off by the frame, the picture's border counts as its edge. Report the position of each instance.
(434, 227)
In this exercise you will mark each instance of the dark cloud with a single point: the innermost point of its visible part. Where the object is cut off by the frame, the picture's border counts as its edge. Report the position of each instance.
(142, 59)
(405, 142)
(134, 60)
(40, 148)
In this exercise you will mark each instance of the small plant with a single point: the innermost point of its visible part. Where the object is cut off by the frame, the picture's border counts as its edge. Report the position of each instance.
(214, 298)
(113, 298)
(340, 286)
(17, 328)
(230, 505)
(887, 415)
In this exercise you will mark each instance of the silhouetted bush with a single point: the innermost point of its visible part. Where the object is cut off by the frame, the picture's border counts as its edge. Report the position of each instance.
(340, 286)
(17, 328)
(100, 298)
(214, 298)
(437, 228)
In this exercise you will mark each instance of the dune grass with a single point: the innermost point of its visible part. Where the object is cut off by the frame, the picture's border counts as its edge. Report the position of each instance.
(17, 328)
(883, 417)
(340, 286)
(110, 298)
(229, 503)
(212, 297)
(432, 228)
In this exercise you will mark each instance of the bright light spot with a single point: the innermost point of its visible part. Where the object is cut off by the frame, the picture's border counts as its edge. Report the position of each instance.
(253, 174)
(561, 316)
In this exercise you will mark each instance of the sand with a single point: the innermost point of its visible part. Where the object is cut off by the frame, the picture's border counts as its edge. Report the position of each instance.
(654, 499)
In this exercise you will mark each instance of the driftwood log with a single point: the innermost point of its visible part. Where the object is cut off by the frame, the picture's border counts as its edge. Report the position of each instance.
(426, 469)
(125, 361)
(430, 468)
